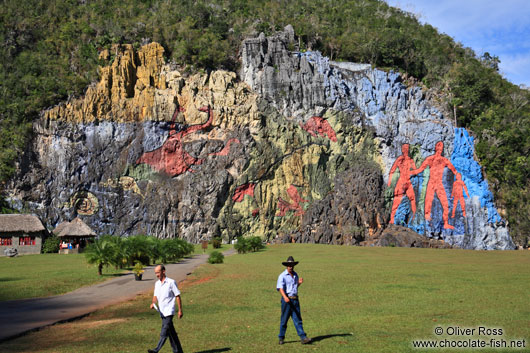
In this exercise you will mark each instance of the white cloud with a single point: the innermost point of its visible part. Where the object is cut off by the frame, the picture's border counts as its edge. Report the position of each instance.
(516, 68)
(501, 28)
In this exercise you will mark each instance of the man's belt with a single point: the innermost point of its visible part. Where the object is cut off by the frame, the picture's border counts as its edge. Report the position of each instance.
(295, 297)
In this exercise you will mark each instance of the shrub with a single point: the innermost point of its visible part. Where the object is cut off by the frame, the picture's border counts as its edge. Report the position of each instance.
(255, 244)
(139, 248)
(216, 257)
(172, 250)
(216, 242)
(241, 245)
(138, 269)
(119, 250)
(51, 245)
(250, 244)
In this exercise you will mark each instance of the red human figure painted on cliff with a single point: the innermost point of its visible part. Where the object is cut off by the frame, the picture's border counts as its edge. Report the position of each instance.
(317, 125)
(171, 158)
(458, 194)
(436, 164)
(285, 206)
(403, 185)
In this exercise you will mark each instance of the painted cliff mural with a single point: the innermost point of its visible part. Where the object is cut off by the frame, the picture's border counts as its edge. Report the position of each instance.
(171, 158)
(294, 147)
(436, 165)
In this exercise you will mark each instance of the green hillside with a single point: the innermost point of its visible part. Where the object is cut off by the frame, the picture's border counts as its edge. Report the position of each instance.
(50, 53)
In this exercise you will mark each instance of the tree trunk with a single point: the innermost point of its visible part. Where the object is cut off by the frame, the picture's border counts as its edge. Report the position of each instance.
(100, 269)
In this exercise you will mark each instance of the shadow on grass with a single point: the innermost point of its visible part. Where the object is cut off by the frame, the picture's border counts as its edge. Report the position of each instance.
(216, 350)
(8, 279)
(321, 338)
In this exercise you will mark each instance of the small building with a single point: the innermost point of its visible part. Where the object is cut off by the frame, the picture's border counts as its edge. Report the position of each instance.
(74, 236)
(22, 232)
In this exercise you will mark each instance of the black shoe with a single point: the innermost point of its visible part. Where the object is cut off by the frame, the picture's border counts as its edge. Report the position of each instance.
(306, 340)
(151, 351)
(281, 341)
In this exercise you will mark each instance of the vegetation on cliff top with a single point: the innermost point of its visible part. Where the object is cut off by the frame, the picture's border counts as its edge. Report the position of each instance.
(50, 52)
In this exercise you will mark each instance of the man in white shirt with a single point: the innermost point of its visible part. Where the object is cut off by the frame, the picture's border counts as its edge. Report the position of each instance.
(166, 292)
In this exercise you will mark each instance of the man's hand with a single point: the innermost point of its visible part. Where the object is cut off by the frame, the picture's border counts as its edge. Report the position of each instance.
(300, 281)
(152, 306)
(180, 314)
(284, 295)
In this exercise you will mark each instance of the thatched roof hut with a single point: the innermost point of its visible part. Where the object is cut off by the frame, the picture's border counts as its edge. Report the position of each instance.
(20, 223)
(75, 228)
(20, 234)
(60, 227)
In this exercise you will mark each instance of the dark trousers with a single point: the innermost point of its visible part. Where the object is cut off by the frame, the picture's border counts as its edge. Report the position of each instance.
(168, 330)
(291, 309)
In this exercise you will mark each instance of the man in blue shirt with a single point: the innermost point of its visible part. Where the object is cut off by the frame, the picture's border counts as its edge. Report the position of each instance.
(287, 285)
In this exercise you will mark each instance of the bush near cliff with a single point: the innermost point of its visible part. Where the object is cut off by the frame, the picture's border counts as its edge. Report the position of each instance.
(249, 244)
(50, 52)
(216, 257)
(116, 251)
(51, 245)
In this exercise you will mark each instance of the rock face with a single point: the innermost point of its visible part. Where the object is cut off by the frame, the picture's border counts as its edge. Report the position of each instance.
(428, 192)
(298, 148)
(405, 237)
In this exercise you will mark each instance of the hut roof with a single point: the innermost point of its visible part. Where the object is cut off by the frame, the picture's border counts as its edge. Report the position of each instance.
(76, 228)
(26, 223)
(60, 227)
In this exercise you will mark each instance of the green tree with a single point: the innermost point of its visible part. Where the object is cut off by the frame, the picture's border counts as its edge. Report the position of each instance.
(51, 245)
(100, 253)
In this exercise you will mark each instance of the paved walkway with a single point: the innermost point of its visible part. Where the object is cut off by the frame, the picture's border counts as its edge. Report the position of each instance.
(20, 316)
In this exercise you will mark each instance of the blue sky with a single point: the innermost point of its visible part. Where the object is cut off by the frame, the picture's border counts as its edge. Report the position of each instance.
(499, 27)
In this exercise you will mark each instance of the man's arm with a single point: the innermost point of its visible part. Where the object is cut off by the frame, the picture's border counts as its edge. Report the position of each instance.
(285, 297)
(449, 165)
(155, 300)
(426, 163)
(179, 303)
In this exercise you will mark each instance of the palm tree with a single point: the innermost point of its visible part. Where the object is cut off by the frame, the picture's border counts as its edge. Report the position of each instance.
(100, 252)
(120, 253)
(138, 249)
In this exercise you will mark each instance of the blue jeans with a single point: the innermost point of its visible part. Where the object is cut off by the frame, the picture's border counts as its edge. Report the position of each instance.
(168, 330)
(291, 309)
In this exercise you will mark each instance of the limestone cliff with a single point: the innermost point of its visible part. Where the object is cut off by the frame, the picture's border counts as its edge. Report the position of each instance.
(296, 147)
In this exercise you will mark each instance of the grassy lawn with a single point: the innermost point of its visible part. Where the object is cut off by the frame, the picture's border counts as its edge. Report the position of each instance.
(353, 300)
(32, 276)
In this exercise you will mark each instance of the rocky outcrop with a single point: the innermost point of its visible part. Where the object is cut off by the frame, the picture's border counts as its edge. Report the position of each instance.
(297, 147)
(425, 186)
(404, 237)
(353, 212)
(86, 158)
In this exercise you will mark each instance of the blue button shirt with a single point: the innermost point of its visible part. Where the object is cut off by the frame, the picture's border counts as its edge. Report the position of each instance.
(288, 283)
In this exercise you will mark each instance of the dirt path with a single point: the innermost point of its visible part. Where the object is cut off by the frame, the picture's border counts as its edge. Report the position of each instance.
(20, 316)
